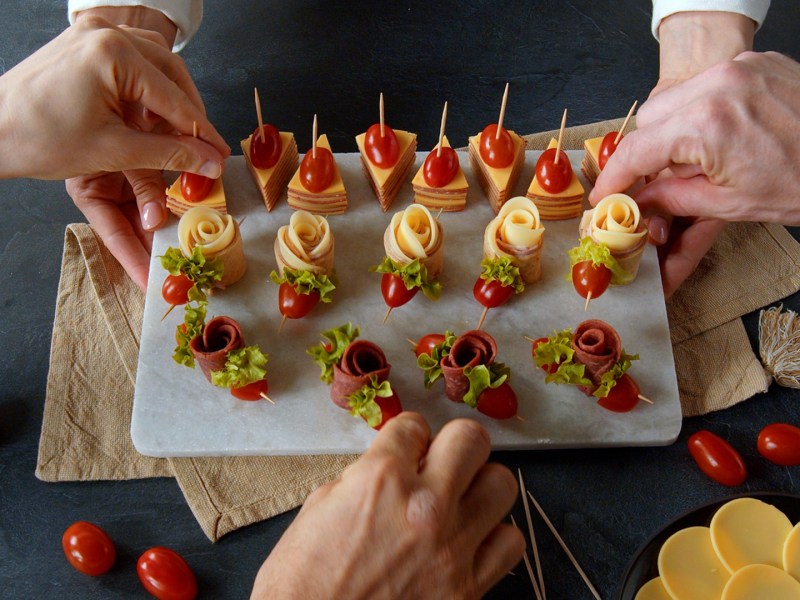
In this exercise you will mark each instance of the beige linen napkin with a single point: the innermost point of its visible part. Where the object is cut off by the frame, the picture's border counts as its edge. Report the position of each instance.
(86, 425)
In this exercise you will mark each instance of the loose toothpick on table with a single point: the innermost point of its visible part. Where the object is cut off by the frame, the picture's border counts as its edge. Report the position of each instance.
(258, 115)
(441, 131)
(502, 114)
(528, 567)
(625, 122)
(560, 136)
(533, 537)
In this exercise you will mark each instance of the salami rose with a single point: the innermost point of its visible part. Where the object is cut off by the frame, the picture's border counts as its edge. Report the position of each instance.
(471, 349)
(360, 361)
(210, 349)
(597, 345)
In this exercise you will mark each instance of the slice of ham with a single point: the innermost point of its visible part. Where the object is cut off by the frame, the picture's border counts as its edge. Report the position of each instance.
(360, 361)
(470, 349)
(210, 348)
(598, 347)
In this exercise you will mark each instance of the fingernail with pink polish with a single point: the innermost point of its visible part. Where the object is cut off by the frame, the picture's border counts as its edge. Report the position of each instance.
(659, 230)
(153, 214)
(211, 169)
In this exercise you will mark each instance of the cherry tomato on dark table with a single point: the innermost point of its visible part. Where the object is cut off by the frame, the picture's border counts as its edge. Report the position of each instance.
(382, 151)
(175, 289)
(293, 305)
(623, 397)
(499, 402)
(195, 188)
(780, 443)
(717, 458)
(427, 342)
(497, 152)
(440, 170)
(316, 173)
(252, 391)
(88, 548)
(265, 153)
(607, 148)
(491, 293)
(165, 574)
(394, 290)
(553, 177)
(588, 277)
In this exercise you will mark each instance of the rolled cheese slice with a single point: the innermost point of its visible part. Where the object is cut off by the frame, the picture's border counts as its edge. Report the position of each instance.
(305, 244)
(218, 236)
(415, 234)
(517, 233)
(617, 224)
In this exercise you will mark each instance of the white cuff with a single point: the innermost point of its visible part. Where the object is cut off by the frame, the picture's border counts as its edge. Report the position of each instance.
(186, 14)
(755, 9)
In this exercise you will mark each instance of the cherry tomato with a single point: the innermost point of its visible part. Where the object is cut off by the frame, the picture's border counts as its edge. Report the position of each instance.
(607, 148)
(88, 548)
(499, 402)
(491, 293)
(427, 342)
(496, 152)
(390, 407)
(316, 174)
(394, 290)
(623, 396)
(588, 277)
(252, 391)
(440, 170)
(293, 305)
(383, 152)
(548, 368)
(553, 177)
(165, 574)
(780, 443)
(265, 154)
(717, 458)
(195, 188)
(175, 289)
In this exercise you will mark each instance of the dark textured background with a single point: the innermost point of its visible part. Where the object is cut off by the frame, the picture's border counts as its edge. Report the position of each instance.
(334, 58)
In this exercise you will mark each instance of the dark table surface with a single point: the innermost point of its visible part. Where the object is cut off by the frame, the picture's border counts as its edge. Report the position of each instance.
(333, 58)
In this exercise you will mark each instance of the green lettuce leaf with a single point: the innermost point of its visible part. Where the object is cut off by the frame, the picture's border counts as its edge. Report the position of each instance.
(556, 350)
(570, 373)
(414, 275)
(243, 366)
(362, 403)
(609, 379)
(599, 254)
(204, 273)
(502, 270)
(482, 377)
(328, 354)
(431, 365)
(194, 319)
(305, 282)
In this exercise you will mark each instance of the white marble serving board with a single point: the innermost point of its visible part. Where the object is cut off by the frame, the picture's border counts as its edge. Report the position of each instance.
(176, 412)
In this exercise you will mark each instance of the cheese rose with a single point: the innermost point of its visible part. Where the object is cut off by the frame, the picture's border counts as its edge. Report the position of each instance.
(516, 233)
(305, 244)
(414, 234)
(218, 236)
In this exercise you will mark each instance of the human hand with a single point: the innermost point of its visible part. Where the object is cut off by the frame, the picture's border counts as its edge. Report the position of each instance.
(412, 518)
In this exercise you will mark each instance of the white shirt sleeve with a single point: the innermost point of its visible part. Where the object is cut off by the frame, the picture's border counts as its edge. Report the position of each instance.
(755, 9)
(186, 14)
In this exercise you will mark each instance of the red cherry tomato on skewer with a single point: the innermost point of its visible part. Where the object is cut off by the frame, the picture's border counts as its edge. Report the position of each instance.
(426, 344)
(496, 152)
(780, 443)
(491, 293)
(195, 188)
(607, 148)
(88, 548)
(553, 177)
(252, 391)
(623, 396)
(440, 170)
(390, 407)
(717, 458)
(175, 289)
(265, 154)
(293, 305)
(394, 290)
(382, 151)
(499, 402)
(316, 174)
(588, 277)
(166, 575)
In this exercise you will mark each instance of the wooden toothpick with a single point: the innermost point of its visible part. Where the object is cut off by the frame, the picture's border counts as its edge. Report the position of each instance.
(283, 320)
(267, 398)
(386, 316)
(483, 317)
(588, 299)
(644, 399)
(380, 110)
(314, 138)
(258, 114)
(441, 130)
(528, 567)
(194, 129)
(625, 122)
(560, 136)
(529, 339)
(530, 532)
(502, 114)
(169, 310)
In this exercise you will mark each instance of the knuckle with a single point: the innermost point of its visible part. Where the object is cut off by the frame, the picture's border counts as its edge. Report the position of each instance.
(472, 432)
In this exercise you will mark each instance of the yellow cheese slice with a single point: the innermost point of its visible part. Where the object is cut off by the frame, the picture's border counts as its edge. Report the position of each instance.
(215, 198)
(205, 227)
(573, 189)
(761, 582)
(791, 553)
(414, 232)
(499, 176)
(380, 176)
(747, 531)
(653, 590)
(287, 142)
(689, 567)
(459, 182)
(614, 222)
(336, 186)
(592, 147)
(305, 241)
(517, 224)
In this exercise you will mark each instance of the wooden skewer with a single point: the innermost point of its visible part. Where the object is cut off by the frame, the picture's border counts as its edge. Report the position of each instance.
(528, 566)
(483, 317)
(314, 138)
(439, 214)
(565, 548)
(518, 418)
(386, 316)
(194, 129)
(529, 339)
(644, 399)
(502, 114)
(625, 122)
(380, 110)
(441, 130)
(530, 532)
(258, 114)
(560, 136)
(169, 310)
(283, 320)
(242, 220)
(588, 299)
(267, 398)
(412, 342)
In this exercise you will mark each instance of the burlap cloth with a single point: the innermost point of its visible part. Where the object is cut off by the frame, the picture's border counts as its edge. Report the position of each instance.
(93, 358)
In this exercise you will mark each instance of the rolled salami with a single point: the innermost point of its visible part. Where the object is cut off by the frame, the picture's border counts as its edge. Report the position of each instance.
(360, 361)
(470, 349)
(597, 345)
(305, 244)
(218, 236)
(415, 234)
(210, 349)
(517, 233)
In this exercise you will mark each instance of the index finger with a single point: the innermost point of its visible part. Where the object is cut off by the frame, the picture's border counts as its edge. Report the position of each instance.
(405, 436)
